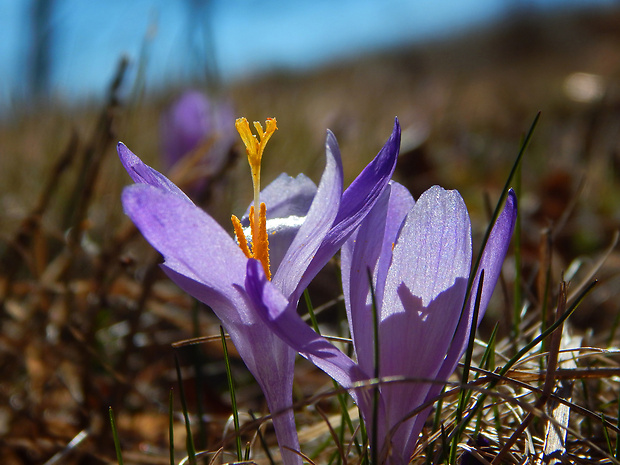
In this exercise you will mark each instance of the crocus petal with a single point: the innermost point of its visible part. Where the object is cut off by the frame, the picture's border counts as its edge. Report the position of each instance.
(267, 357)
(413, 345)
(141, 173)
(432, 249)
(359, 257)
(318, 221)
(274, 309)
(193, 244)
(424, 294)
(401, 203)
(493, 255)
(364, 191)
(357, 201)
(359, 254)
(491, 262)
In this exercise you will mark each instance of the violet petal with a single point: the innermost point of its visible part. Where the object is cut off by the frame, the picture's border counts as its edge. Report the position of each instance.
(364, 191)
(359, 257)
(192, 243)
(491, 261)
(359, 198)
(424, 294)
(318, 221)
(274, 309)
(141, 173)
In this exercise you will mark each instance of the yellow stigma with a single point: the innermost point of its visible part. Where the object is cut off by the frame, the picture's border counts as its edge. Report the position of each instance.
(254, 147)
(258, 218)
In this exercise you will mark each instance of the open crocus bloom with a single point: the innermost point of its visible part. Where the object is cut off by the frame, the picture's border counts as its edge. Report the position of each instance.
(306, 226)
(419, 256)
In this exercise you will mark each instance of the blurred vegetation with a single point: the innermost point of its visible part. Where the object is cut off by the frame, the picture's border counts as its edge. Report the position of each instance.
(88, 319)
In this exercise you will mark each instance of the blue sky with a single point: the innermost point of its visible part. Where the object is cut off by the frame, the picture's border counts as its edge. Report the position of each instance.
(248, 36)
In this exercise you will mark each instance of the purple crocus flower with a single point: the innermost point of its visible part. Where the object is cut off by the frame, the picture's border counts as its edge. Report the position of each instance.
(306, 226)
(419, 256)
(195, 122)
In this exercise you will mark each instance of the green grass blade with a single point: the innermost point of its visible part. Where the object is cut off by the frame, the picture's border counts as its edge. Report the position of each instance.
(445, 446)
(472, 334)
(263, 443)
(365, 457)
(618, 435)
(436, 424)
(171, 425)
(313, 320)
(488, 357)
(516, 243)
(246, 456)
(607, 438)
(375, 401)
(233, 398)
(500, 202)
(498, 421)
(464, 395)
(117, 444)
(198, 362)
(191, 449)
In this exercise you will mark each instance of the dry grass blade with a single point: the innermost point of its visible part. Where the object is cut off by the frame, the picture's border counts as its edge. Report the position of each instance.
(333, 434)
(554, 347)
(310, 433)
(555, 433)
(62, 455)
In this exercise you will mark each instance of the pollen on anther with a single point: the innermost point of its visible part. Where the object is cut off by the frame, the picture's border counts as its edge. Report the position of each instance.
(243, 243)
(260, 239)
(260, 243)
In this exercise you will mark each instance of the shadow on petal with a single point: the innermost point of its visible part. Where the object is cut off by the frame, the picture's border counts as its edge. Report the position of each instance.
(413, 344)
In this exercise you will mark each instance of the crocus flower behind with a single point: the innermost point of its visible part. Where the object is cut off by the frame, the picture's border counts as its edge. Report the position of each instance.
(195, 123)
(204, 260)
(419, 255)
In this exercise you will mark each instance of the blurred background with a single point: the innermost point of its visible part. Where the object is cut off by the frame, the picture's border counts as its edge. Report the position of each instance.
(87, 319)
(68, 49)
